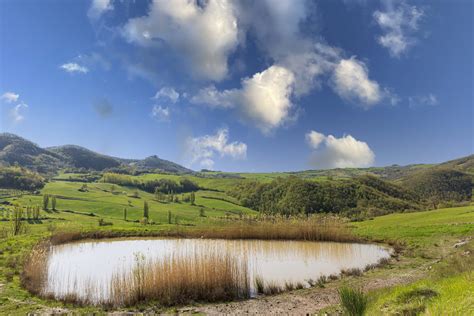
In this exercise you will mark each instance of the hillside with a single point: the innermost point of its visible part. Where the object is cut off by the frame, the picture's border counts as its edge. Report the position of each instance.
(80, 157)
(464, 164)
(15, 150)
(156, 163)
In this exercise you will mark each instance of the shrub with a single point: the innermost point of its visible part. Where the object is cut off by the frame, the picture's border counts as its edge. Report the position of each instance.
(353, 301)
(102, 222)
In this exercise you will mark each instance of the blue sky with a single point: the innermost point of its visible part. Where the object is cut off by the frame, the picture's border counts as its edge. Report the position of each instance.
(242, 86)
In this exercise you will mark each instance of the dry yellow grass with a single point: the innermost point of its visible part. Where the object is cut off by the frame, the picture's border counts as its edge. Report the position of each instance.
(311, 229)
(180, 279)
(35, 271)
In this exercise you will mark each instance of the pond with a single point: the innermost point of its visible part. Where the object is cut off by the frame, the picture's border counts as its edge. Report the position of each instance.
(86, 270)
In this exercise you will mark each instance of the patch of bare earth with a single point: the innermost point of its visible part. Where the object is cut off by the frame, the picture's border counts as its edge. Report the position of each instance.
(309, 301)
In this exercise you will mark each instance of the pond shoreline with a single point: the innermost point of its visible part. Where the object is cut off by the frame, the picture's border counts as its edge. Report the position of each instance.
(33, 281)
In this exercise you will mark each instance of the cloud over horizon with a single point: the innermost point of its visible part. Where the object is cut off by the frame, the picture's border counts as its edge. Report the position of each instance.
(332, 152)
(202, 150)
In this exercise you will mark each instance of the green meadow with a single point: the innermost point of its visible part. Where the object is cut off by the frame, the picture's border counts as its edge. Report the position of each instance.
(423, 239)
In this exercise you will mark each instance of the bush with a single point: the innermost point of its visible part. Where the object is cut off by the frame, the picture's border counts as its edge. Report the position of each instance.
(353, 301)
(102, 222)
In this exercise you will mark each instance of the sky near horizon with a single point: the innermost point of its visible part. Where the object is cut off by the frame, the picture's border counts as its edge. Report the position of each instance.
(270, 85)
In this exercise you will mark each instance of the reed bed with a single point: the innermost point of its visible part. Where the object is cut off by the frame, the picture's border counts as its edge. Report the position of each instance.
(315, 228)
(207, 277)
(280, 229)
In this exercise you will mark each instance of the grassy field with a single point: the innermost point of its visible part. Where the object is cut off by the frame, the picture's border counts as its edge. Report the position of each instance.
(425, 239)
(428, 238)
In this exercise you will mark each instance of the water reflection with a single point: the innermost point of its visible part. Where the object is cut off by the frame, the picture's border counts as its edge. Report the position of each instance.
(84, 267)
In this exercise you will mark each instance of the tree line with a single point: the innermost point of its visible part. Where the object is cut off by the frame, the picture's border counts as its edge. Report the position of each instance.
(293, 195)
(166, 186)
(19, 178)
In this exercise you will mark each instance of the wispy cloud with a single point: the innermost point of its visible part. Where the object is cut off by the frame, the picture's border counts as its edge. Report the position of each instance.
(422, 100)
(10, 97)
(332, 152)
(399, 22)
(161, 113)
(202, 150)
(167, 93)
(74, 68)
(99, 7)
(16, 112)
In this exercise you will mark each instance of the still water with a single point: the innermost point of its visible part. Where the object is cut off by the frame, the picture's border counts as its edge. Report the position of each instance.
(75, 268)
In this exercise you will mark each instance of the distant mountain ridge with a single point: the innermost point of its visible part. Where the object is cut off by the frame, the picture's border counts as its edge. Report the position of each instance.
(17, 150)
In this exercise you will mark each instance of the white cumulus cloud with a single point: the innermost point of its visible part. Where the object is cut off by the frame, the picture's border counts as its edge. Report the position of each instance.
(314, 139)
(399, 23)
(351, 81)
(202, 150)
(10, 97)
(99, 7)
(344, 152)
(265, 98)
(74, 68)
(203, 34)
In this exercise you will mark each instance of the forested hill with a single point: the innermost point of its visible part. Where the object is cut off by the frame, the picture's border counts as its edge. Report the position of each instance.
(15, 150)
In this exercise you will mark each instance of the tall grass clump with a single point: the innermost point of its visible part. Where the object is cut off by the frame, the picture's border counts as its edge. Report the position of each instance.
(205, 277)
(354, 301)
(33, 276)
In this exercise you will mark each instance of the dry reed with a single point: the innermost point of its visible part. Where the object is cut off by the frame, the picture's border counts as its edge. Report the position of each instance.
(34, 271)
(206, 277)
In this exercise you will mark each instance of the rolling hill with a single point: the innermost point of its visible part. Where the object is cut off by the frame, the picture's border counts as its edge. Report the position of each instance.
(15, 150)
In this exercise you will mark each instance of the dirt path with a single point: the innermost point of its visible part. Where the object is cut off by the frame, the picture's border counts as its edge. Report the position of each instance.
(309, 301)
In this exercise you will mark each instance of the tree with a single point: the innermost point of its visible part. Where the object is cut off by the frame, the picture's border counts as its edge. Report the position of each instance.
(112, 188)
(17, 225)
(36, 212)
(125, 214)
(169, 217)
(158, 194)
(45, 202)
(202, 213)
(145, 209)
(192, 198)
(53, 202)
